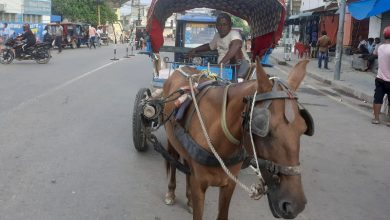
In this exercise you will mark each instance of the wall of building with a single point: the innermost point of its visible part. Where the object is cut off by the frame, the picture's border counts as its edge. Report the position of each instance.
(12, 6)
(375, 26)
(347, 40)
(37, 7)
(31, 11)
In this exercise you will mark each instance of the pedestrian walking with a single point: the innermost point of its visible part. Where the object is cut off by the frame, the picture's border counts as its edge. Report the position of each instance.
(59, 32)
(92, 37)
(323, 44)
(99, 31)
(382, 80)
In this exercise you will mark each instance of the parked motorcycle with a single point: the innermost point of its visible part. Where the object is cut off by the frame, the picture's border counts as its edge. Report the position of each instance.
(40, 52)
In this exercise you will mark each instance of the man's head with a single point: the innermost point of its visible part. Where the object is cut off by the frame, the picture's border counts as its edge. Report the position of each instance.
(5, 25)
(377, 40)
(370, 40)
(26, 27)
(224, 24)
(324, 33)
(386, 33)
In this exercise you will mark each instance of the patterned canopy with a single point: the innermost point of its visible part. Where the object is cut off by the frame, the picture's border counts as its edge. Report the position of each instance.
(265, 17)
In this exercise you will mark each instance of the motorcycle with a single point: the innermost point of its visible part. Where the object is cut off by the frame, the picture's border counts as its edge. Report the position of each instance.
(40, 52)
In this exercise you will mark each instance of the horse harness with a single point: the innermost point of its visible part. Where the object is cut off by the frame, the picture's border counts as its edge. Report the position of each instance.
(259, 124)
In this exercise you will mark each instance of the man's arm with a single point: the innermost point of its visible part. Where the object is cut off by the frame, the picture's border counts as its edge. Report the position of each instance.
(234, 48)
(201, 48)
(376, 49)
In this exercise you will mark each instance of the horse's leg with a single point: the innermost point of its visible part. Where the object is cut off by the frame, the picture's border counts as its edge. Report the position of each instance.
(198, 191)
(225, 196)
(171, 171)
(188, 190)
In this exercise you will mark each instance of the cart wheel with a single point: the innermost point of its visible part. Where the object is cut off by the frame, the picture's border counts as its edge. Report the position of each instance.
(139, 128)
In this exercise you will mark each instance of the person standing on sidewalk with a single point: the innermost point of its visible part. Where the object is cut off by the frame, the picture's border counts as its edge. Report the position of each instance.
(382, 80)
(59, 32)
(323, 44)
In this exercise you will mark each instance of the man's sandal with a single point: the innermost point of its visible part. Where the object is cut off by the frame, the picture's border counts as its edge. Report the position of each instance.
(388, 123)
(375, 121)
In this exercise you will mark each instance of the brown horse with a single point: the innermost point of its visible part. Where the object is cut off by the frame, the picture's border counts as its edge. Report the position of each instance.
(279, 147)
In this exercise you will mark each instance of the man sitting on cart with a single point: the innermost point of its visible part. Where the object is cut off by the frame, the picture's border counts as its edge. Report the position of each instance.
(229, 43)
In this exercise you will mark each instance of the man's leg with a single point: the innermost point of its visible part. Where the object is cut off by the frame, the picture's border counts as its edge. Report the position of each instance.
(378, 99)
(326, 60)
(388, 109)
(59, 43)
(93, 42)
(319, 59)
(243, 69)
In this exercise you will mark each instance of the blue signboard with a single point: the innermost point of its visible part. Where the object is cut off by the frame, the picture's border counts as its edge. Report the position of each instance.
(16, 28)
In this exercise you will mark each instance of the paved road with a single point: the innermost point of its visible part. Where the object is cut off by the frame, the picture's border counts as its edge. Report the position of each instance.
(66, 150)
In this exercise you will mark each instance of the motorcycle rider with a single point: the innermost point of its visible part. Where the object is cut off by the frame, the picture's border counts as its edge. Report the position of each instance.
(29, 38)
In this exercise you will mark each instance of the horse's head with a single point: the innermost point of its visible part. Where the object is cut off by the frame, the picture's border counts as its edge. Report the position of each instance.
(276, 126)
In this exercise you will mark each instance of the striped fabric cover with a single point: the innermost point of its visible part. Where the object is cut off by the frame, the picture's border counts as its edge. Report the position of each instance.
(263, 16)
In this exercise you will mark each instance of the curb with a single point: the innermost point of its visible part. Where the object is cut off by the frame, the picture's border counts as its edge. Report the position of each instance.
(334, 84)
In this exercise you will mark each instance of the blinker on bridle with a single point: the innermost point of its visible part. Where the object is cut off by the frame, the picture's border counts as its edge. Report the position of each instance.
(258, 123)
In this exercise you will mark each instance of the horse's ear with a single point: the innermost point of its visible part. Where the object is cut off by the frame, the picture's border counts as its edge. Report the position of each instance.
(297, 74)
(263, 83)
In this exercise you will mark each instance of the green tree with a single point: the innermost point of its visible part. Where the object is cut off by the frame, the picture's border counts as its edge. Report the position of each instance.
(240, 23)
(84, 11)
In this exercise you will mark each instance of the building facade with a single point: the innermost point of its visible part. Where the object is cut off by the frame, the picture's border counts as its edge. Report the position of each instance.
(30, 11)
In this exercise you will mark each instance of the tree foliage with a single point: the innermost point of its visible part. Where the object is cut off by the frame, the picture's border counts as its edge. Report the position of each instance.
(84, 11)
(238, 22)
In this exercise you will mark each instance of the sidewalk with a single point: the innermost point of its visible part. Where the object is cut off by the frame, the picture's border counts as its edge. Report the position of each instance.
(352, 82)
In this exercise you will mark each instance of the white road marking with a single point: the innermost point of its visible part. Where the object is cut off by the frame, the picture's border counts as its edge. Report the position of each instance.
(50, 91)
(330, 96)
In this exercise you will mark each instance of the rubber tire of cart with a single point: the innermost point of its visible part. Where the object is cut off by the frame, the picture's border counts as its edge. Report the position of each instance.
(139, 128)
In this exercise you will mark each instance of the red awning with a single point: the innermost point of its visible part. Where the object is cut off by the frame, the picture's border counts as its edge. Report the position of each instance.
(265, 17)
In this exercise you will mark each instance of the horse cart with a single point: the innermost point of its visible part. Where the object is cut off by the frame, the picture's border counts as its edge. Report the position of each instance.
(213, 123)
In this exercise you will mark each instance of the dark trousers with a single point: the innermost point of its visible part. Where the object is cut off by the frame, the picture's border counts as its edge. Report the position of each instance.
(323, 56)
(370, 60)
(59, 43)
(92, 42)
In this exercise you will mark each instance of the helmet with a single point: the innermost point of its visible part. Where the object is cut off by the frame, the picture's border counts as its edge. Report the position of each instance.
(386, 32)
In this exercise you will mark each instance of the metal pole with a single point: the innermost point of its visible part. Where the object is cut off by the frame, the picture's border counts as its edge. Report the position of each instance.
(288, 36)
(98, 13)
(340, 38)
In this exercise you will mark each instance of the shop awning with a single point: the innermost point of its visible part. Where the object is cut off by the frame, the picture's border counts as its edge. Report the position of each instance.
(366, 8)
(294, 19)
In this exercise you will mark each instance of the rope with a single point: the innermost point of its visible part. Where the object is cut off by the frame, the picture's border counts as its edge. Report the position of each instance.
(257, 168)
(254, 191)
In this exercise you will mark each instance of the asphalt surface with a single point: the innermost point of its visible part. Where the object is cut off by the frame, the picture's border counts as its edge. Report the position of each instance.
(66, 150)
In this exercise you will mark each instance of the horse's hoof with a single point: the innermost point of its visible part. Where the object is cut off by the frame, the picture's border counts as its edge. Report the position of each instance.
(189, 208)
(169, 199)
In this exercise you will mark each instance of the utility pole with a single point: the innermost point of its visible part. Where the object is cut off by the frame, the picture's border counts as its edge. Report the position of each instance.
(340, 38)
(288, 37)
(98, 10)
